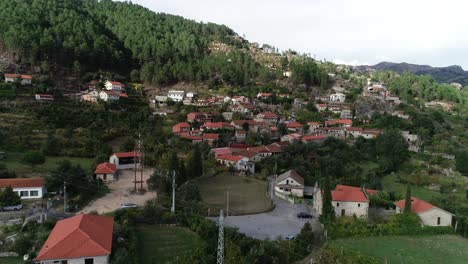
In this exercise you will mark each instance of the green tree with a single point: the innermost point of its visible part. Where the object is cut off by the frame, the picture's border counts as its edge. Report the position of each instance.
(195, 163)
(461, 161)
(391, 150)
(304, 240)
(8, 197)
(328, 212)
(408, 200)
(33, 158)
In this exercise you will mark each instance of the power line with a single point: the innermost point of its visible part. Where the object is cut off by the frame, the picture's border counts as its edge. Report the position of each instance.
(220, 255)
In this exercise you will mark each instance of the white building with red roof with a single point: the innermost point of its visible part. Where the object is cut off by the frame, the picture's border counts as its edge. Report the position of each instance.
(22, 78)
(182, 127)
(269, 118)
(430, 215)
(295, 127)
(215, 126)
(106, 171)
(114, 86)
(346, 200)
(26, 188)
(83, 239)
(125, 160)
(111, 95)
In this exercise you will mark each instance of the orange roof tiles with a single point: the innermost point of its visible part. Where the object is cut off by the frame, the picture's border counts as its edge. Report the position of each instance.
(417, 205)
(22, 182)
(105, 168)
(79, 236)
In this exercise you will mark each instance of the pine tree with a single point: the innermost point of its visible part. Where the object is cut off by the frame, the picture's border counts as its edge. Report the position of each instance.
(408, 200)
(328, 212)
(195, 164)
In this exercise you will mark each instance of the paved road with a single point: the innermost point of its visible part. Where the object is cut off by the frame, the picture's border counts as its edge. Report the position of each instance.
(279, 222)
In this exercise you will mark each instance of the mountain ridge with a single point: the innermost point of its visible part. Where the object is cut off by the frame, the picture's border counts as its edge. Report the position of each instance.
(448, 74)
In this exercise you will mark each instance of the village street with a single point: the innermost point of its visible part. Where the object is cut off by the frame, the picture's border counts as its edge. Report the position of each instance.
(121, 192)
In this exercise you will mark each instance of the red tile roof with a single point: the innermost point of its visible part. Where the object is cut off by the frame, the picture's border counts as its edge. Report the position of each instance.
(78, 236)
(187, 135)
(216, 125)
(22, 182)
(312, 137)
(181, 125)
(294, 125)
(346, 193)
(105, 168)
(264, 94)
(339, 121)
(123, 95)
(22, 76)
(210, 136)
(126, 154)
(221, 151)
(417, 205)
(116, 83)
(234, 158)
(269, 115)
(313, 123)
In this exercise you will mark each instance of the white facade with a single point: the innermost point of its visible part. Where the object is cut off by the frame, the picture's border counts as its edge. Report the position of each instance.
(96, 260)
(176, 96)
(433, 217)
(106, 176)
(108, 96)
(338, 97)
(289, 185)
(123, 165)
(22, 81)
(191, 95)
(30, 192)
(360, 209)
(114, 86)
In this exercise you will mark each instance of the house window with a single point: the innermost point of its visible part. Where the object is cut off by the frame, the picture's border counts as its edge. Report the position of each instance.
(34, 193)
(438, 220)
(89, 261)
(358, 205)
(24, 193)
(337, 204)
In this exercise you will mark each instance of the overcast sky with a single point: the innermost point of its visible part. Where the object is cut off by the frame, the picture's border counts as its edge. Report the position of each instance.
(345, 31)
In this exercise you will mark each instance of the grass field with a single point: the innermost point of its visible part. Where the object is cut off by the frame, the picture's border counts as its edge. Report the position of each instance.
(11, 260)
(246, 195)
(390, 184)
(13, 162)
(165, 244)
(415, 250)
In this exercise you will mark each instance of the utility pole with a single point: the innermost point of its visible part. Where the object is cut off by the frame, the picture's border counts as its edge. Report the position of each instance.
(65, 197)
(220, 256)
(173, 192)
(227, 201)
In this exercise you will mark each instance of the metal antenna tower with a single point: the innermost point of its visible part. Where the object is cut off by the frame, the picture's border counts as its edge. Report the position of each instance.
(139, 163)
(220, 257)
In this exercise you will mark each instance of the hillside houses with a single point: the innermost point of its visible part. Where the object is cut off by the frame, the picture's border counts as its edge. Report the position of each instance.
(176, 96)
(114, 86)
(269, 118)
(23, 79)
(26, 188)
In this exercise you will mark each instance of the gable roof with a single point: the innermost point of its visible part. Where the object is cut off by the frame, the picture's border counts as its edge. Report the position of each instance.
(129, 154)
(291, 174)
(79, 236)
(312, 137)
(234, 158)
(417, 205)
(294, 125)
(105, 168)
(22, 182)
(344, 193)
(268, 115)
(21, 76)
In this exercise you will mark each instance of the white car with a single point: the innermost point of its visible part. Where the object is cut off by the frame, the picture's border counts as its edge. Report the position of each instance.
(13, 207)
(128, 205)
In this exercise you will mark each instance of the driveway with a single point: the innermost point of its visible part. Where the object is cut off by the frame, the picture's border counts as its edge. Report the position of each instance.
(121, 191)
(279, 222)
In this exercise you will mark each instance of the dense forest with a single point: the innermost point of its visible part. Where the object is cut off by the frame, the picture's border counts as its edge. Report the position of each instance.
(121, 37)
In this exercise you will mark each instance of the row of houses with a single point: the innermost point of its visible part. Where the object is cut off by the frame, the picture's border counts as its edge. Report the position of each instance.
(23, 79)
(354, 201)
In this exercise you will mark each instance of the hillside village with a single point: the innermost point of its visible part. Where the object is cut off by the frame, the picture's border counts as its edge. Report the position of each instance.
(285, 158)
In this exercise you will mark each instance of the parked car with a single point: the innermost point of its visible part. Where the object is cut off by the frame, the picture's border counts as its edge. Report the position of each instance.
(289, 237)
(128, 205)
(304, 215)
(12, 207)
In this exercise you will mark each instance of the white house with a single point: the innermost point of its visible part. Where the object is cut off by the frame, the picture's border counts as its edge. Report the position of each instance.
(106, 172)
(346, 200)
(430, 215)
(238, 162)
(413, 141)
(109, 96)
(191, 95)
(125, 160)
(81, 239)
(22, 78)
(160, 100)
(176, 96)
(289, 183)
(114, 86)
(90, 97)
(337, 97)
(26, 188)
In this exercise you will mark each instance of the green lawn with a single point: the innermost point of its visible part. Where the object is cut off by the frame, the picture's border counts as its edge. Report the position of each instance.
(246, 195)
(390, 184)
(415, 250)
(160, 245)
(11, 260)
(13, 162)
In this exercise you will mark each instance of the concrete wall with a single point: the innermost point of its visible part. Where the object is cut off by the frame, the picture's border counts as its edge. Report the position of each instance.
(97, 260)
(429, 218)
(109, 177)
(360, 209)
(41, 191)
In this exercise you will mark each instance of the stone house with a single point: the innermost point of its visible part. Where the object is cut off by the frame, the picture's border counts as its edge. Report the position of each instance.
(430, 215)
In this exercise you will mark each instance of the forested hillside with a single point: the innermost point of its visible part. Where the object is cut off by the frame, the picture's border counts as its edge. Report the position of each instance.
(93, 35)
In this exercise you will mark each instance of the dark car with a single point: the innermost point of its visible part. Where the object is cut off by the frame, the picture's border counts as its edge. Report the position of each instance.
(304, 215)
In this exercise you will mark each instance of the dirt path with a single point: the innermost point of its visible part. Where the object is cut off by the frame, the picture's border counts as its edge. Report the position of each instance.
(121, 192)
